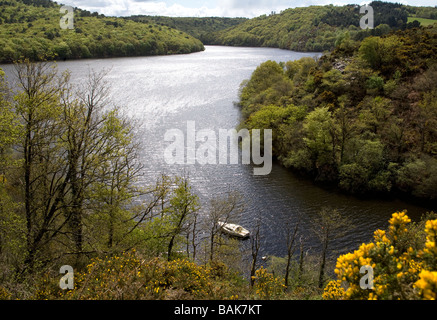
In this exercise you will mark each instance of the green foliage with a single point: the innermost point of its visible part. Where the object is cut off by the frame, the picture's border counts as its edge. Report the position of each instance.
(128, 276)
(415, 22)
(313, 28)
(32, 31)
(403, 259)
(267, 86)
(200, 28)
(355, 117)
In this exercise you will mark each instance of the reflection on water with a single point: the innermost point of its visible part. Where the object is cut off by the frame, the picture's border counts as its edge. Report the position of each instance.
(165, 92)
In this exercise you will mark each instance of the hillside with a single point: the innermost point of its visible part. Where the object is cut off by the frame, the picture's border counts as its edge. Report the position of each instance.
(31, 29)
(317, 28)
(362, 117)
(200, 28)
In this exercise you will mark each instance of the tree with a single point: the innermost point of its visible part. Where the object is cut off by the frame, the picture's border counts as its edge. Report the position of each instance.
(113, 184)
(82, 118)
(12, 225)
(255, 245)
(328, 225)
(426, 121)
(290, 236)
(224, 209)
(101, 156)
(346, 125)
(45, 180)
(183, 204)
(268, 74)
(369, 52)
(320, 138)
(79, 162)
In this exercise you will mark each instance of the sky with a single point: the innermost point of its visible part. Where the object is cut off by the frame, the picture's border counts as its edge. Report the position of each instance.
(208, 8)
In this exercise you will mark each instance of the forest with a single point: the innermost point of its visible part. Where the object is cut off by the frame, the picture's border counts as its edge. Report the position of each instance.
(362, 117)
(31, 29)
(200, 28)
(69, 197)
(318, 28)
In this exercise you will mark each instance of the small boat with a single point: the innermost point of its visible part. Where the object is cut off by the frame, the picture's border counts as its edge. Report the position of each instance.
(234, 229)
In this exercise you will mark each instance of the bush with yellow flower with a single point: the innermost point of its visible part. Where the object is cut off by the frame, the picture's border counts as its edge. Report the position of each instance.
(129, 276)
(266, 285)
(404, 267)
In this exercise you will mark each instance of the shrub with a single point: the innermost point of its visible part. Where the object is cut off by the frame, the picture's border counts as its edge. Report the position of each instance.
(129, 277)
(266, 285)
(404, 266)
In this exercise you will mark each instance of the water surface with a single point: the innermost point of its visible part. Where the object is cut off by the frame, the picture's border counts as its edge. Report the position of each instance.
(165, 92)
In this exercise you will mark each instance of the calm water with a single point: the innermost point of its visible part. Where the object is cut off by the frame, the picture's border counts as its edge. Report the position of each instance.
(165, 92)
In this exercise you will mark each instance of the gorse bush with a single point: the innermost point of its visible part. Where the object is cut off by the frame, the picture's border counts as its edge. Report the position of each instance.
(266, 285)
(128, 276)
(404, 262)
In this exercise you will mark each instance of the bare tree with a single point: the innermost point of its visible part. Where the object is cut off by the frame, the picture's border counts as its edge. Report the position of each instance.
(328, 225)
(290, 236)
(182, 205)
(73, 144)
(83, 120)
(45, 175)
(255, 244)
(301, 259)
(223, 209)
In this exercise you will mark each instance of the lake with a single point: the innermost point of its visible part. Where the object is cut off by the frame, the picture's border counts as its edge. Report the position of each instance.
(165, 92)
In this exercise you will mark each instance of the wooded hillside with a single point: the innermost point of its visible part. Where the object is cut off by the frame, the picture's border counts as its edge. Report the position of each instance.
(31, 29)
(362, 117)
(318, 28)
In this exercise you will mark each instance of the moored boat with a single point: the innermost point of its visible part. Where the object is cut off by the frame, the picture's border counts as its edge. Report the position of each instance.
(234, 229)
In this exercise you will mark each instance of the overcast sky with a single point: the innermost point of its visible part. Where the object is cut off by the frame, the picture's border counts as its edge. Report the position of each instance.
(208, 8)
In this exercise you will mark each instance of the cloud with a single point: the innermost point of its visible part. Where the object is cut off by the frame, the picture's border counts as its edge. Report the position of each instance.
(205, 8)
(193, 8)
(251, 8)
(142, 7)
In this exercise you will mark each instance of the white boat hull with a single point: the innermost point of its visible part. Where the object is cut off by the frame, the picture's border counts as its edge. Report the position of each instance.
(234, 230)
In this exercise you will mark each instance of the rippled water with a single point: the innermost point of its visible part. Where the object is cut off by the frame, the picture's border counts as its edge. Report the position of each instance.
(165, 92)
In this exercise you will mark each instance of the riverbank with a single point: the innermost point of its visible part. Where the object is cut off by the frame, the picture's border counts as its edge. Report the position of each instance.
(351, 120)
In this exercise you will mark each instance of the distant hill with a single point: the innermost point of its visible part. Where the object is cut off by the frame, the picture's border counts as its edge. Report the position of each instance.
(31, 29)
(200, 28)
(318, 28)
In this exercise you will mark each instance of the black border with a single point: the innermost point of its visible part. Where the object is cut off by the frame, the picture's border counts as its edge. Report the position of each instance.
(159, 309)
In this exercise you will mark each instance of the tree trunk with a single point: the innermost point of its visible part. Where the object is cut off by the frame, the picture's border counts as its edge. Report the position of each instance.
(170, 247)
(323, 262)
(255, 250)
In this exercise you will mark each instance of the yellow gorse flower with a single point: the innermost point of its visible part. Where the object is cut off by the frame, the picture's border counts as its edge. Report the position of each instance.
(427, 284)
(399, 272)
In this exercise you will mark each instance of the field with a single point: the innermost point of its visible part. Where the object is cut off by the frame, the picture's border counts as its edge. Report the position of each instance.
(423, 22)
